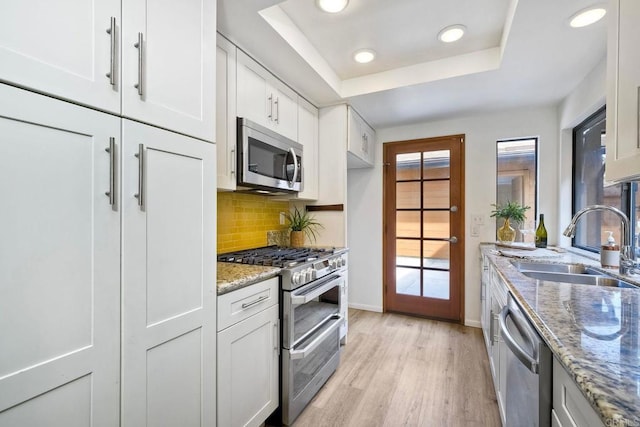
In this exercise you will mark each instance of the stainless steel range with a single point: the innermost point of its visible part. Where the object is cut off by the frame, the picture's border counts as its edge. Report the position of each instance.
(313, 317)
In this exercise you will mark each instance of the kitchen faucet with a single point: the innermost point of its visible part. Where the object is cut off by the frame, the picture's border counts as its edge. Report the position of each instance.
(627, 256)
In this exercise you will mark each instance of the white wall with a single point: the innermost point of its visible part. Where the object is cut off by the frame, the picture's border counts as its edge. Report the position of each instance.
(583, 101)
(482, 131)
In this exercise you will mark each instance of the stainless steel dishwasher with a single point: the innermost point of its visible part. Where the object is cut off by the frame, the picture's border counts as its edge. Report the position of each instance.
(528, 370)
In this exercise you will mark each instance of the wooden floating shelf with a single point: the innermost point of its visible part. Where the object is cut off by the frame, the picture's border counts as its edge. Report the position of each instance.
(316, 208)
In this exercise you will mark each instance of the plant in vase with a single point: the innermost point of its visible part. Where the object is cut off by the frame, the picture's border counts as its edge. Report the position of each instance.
(301, 224)
(511, 211)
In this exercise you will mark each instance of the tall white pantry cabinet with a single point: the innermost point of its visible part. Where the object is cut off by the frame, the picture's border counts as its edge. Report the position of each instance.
(107, 224)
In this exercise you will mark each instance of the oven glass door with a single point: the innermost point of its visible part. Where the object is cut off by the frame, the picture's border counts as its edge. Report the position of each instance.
(308, 365)
(310, 306)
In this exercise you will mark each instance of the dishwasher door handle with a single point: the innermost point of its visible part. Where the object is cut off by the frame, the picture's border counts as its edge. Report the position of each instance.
(530, 361)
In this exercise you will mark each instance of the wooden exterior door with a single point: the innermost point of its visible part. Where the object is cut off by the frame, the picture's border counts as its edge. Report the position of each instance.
(424, 227)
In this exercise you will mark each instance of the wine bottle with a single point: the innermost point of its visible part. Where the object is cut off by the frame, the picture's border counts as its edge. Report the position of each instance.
(541, 234)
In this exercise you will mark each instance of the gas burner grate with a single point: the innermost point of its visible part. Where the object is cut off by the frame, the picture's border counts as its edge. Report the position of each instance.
(276, 256)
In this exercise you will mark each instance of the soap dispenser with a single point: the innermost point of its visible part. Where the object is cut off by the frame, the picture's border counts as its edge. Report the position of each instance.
(610, 253)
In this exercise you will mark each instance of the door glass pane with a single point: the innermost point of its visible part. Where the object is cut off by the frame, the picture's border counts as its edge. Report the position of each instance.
(436, 164)
(408, 223)
(408, 281)
(435, 194)
(407, 166)
(436, 224)
(435, 254)
(435, 284)
(408, 195)
(408, 252)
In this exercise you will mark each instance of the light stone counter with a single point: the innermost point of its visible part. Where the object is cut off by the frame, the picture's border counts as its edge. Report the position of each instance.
(593, 331)
(232, 276)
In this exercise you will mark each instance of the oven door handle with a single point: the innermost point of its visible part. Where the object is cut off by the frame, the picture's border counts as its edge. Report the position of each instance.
(303, 299)
(336, 320)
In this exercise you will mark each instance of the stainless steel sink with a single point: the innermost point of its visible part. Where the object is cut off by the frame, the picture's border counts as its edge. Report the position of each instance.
(581, 279)
(554, 268)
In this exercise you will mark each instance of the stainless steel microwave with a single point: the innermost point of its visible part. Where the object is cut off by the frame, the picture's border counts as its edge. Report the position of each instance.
(267, 161)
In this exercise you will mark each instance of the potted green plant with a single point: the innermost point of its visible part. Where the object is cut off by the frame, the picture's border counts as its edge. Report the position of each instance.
(301, 224)
(511, 211)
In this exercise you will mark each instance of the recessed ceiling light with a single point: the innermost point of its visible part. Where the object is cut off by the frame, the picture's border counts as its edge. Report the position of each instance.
(451, 33)
(587, 16)
(364, 55)
(332, 6)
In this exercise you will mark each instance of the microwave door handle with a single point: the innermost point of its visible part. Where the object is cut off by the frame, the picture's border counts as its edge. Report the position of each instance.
(295, 167)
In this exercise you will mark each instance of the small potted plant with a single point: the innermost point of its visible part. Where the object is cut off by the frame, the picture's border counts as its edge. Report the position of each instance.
(301, 224)
(511, 211)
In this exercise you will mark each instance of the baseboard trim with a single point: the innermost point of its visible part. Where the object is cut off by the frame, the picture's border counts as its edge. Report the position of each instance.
(366, 307)
(473, 323)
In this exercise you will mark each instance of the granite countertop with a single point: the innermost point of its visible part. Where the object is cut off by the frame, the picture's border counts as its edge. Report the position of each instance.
(232, 276)
(594, 332)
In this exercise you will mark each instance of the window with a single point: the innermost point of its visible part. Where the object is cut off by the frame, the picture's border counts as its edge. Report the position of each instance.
(517, 181)
(590, 188)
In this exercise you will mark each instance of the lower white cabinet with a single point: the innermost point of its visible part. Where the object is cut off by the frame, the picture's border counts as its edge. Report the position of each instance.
(248, 354)
(570, 407)
(168, 278)
(107, 269)
(59, 264)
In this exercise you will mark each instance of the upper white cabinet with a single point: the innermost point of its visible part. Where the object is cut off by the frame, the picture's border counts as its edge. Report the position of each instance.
(152, 61)
(264, 99)
(361, 142)
(62, 48)
(308, 137)
(59, 263)
(168, 279)
(226, 130)
(168, 64)
(623, 80)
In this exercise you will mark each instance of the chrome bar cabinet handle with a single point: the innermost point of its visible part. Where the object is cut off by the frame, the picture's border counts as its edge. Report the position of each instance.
(140, 195)
(140, 46)
(112, 67)
(112, 172)
(257, 301)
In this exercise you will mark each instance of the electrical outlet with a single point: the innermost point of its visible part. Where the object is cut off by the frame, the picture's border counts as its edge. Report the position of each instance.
(477, 219)
(281, 218)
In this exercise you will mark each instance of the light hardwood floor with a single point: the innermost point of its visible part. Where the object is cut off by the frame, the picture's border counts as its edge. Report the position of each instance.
(405, 371)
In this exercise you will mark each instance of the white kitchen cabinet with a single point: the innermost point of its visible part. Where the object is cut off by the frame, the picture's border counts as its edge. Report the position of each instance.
(623, 91)
(497, 348)
(361, 142)
(308, 137)
(485, 302)
(168, 278)
(570, 407)
(248, 354)
(264, 99)
(90, 53)
(59, 264)
(226, 130)
(168, 68)
(62, 48)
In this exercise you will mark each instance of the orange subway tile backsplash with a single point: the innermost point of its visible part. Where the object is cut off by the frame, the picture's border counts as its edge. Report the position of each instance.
(244, 219)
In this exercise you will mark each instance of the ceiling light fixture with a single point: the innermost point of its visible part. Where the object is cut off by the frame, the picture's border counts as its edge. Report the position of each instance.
(587, 16)
(364, 55)
(451, 33)
(332, 6)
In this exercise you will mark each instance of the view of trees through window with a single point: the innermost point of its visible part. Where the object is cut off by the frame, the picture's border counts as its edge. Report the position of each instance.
(517, 181)
(590, 187)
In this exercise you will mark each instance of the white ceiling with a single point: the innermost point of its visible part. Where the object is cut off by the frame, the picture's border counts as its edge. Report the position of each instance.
(515, 53)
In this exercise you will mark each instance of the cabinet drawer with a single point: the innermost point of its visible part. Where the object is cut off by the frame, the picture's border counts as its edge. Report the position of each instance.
(570, 406)
(239, 305)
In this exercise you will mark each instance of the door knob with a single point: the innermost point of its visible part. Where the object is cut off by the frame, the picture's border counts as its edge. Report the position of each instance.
(453, 239)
